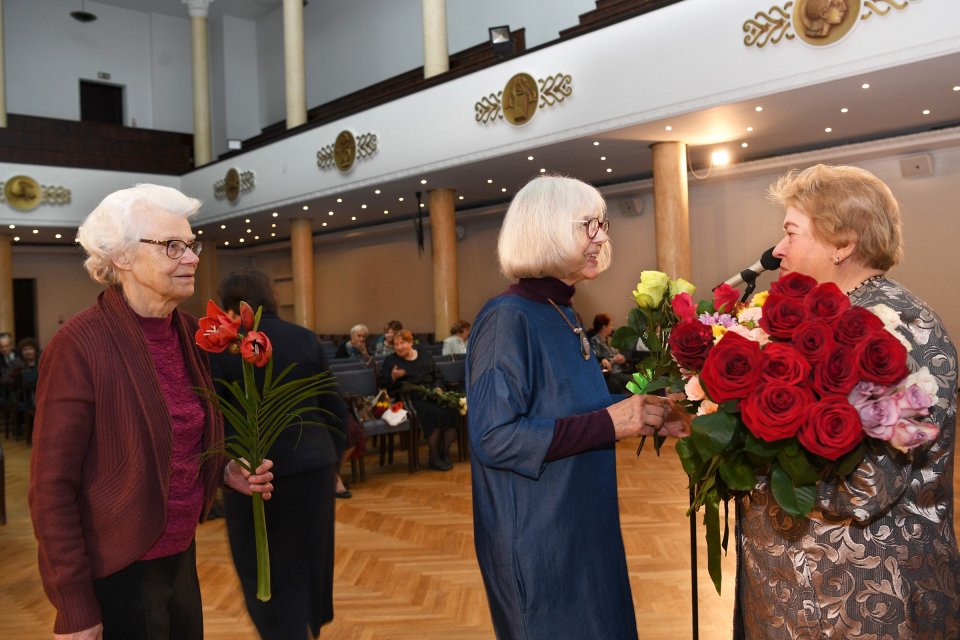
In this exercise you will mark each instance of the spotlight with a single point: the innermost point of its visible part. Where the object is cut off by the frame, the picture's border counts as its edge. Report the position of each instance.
(83, 15)
(500, 41)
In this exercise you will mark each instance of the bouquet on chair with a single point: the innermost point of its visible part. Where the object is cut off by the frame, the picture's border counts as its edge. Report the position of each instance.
(257, 415)
(451, 399)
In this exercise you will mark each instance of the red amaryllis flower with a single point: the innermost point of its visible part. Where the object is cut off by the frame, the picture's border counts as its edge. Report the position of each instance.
(832, 428)
(246, 316)
(732, 368)
(690, 342)
(814, 340)
(256, 348)
(838, 374)
(827, 302)
(782, 315)
(881, 358)
(725, 298)
(684, 307)
(774, 411)
(793, 285)
(783, 363)
(854, 325)
(217, 331)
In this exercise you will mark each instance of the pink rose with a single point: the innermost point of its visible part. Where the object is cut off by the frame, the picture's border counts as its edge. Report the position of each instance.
(909, 434)
(879, 416)
(866, 391)
(913, 401)
(693, 390)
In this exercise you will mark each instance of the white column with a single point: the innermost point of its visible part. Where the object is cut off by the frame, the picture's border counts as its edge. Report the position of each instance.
(436, 56)
(293, 63)
(201, 81)
(3, 79)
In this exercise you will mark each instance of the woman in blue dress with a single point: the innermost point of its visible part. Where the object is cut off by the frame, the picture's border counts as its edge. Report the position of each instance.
(543, 428)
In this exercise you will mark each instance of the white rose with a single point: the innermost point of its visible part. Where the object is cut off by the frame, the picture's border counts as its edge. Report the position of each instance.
(925, 380)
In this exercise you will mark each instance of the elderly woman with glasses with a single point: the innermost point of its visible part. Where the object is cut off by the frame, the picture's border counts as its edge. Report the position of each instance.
(118, 482)
(543, 429)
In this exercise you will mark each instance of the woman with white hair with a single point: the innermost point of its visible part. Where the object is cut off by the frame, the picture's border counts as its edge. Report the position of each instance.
(543, 429)
(117, 482)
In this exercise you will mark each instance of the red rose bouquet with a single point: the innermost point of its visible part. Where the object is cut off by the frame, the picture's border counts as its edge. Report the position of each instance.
(794, 387)
(258, 415)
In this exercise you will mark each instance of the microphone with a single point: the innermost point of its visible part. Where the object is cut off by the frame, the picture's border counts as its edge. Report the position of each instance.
(767, 262)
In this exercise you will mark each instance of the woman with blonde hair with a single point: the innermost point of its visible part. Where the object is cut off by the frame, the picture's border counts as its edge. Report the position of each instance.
(543, 429)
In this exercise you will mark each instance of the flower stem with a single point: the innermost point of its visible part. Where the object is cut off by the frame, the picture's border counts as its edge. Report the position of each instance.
(263, 551)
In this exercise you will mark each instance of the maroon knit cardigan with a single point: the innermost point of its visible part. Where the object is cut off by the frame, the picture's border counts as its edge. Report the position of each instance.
(102, 447)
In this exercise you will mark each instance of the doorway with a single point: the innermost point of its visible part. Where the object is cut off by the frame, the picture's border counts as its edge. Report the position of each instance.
(24, 308)
(101, 102)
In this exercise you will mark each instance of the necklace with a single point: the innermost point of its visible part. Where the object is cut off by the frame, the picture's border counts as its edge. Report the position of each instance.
(871, 278)
(578, 331)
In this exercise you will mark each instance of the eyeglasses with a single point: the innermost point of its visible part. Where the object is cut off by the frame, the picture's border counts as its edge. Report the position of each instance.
(594, 225)
(176, 248)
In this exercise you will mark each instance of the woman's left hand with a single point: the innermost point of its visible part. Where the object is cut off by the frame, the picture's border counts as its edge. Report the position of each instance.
(663, 417)
(239, 479)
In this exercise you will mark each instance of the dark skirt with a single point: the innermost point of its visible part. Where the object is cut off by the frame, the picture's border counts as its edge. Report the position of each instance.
(300, 526)
(433, 416)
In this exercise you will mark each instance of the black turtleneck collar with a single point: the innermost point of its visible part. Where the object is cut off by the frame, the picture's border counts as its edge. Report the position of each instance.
(539, 289)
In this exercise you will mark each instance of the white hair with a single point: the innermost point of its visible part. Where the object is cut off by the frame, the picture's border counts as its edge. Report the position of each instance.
(116, 224)
(359, 328)
(540, 237)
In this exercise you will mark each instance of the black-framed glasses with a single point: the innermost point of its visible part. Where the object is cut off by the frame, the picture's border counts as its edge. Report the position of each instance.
(176, 248)
(594, 225)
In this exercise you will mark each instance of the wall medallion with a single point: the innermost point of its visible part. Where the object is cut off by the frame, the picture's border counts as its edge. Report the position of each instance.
(233, 184)
(815, 22)
(23, 193)
(521, 98)
(346, 150)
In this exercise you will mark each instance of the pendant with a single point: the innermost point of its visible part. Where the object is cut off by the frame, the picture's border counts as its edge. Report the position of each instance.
(584, 343)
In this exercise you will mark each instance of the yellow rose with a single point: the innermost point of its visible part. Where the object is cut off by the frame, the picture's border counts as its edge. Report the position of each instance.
(651, 289)
(681, 286)
(759, 299)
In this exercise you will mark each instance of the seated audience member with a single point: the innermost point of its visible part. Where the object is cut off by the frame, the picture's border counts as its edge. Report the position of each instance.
(384, 346)
(457, 342)
(415, 366)
(356, 347)
(611, 360)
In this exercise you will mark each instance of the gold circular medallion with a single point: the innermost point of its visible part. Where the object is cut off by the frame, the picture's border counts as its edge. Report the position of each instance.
(823, 22)
(22, 193)
(520, 99)
(344, 151)
(231, 185)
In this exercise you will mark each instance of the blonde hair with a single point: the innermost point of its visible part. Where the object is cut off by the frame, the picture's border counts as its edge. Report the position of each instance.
(116, 224)
(846, 204)
(539, 236)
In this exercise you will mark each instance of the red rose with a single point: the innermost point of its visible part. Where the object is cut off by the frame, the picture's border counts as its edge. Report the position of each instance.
(838, 374)
(690, 342)
(832, 428)
(684, 307)
(256, 348)
(881, 358)
(732, 368)
(783, 363)
(782, 314)
(854, 325)
(725, 298)
(814, 340)
(217, 331)
(774, 411)
(793, 285)
(827, 302)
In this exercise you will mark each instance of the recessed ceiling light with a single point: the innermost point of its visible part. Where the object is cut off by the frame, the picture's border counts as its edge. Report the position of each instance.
(273, 235)
(353, 218)
(719, 158)
(16, 238)
(609, 170)
(247, 221)
(256, 237)
(57, 236)
(925, 112)
(329, 213)
(459, 197)
(424, 181)
(323, 224)
(668, 128)
(828, 130)
(422, 205)
(957, 88)
(386, 211)
(223, 226)
(749, 129)
(758, 108)
(249, 230)
(489, 181)
(543, 170)
(531, 157)
(36, 230)
(273, 226)
(240, 240)
(13, 226)
(199, 232)
(603, 158)
(596, 143)
(400, 199)
(363, 206)
(844, 110)
(306, 207)
(744, 145)
(376, 191)
(865, 86)
(275, 214)
(503, 190)
(339, 199)
(226, 243)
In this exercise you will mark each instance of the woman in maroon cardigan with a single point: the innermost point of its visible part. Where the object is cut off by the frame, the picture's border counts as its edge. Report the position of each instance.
(117, 487)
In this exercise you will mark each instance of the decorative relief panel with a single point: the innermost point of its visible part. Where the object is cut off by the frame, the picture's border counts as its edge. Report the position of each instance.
(232, 185)
(815, 22)
(346, 150)
(23, 193)
(521, 98)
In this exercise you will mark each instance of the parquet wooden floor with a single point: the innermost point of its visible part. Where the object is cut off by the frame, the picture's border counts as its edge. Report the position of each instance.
(405, 566)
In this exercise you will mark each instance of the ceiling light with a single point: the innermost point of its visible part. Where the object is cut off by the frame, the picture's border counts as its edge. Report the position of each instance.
(240, 240)
(386, 212)
(273, 235)
(957, 88)
(226, 243)
(844, 110)
(424, 181)
(744, 145)
(16, 238)
(609, 170)
(306, 208)
(353, 218)
(363, 206)
(83, 15)
(275, 214)
(376, 191)
(602, 158)
(249, 230)
(256, 237)
(36, 230)
(247, 221)
(865, 86)
(339, 199)
(749, 129)
(422, 205)
(543, 170)
(758, 108)
(13, 226)
(531, 157)
(223, 226)
(324, 224)
(596, 143)
(199, 232)
(329, 213)
(720, 158)
(668, 128)
(925, 112)
(400, 199)
(828, 130)
(57, 236)
(273, 226)
(489, 181)
(503, 190)
(459, 197)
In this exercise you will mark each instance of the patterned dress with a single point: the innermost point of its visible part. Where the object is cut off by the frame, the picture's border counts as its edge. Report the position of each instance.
(877, 557)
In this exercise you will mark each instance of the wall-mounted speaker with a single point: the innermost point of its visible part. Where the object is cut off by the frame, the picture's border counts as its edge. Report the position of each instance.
(916, 166)
(631, 206)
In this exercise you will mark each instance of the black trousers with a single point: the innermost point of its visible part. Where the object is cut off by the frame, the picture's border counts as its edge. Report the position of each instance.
(153, 600)
(300, 528)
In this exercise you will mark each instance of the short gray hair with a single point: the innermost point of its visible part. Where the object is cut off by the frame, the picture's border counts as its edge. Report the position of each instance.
(359, 328)
(116, 224)
(539, 238)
